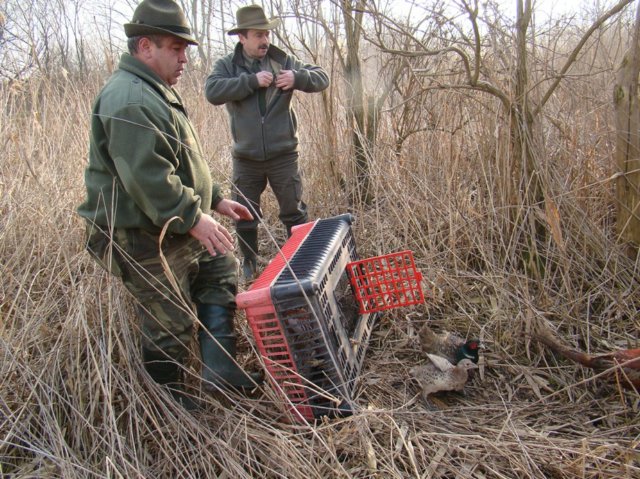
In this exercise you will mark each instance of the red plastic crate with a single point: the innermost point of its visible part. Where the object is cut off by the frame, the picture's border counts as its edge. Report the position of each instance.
(267, 328)
(305, 320)
(385, 282)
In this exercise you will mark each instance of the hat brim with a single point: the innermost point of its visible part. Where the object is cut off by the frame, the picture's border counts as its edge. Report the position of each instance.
(137, 29)
(272, 25)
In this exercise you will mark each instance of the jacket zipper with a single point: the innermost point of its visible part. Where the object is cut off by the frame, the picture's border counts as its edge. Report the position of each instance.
(264, 143)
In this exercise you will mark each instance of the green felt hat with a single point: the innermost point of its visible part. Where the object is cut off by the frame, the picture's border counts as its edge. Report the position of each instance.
(159, 17)
(252, 17)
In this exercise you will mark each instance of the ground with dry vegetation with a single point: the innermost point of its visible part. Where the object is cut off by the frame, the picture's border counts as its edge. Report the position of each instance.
(75, 402)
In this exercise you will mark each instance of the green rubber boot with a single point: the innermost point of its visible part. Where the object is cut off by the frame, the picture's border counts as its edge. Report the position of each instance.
(167, 373)
(218, 350)
(248, 241)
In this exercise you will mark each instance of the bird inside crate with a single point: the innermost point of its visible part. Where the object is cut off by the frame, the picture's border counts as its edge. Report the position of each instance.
(312, 309)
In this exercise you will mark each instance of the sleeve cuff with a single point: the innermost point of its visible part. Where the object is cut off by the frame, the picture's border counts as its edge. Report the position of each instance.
(215, 201)
(253, 81)
(197, 218)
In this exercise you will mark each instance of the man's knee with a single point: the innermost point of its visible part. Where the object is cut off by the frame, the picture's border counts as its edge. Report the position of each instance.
(295, 216)
(217, 281)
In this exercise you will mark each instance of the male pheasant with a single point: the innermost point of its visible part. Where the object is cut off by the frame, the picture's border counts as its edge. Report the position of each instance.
(448, 345)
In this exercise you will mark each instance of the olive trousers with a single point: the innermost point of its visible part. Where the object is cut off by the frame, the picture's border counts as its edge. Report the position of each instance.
(250, 179)
(166, 293)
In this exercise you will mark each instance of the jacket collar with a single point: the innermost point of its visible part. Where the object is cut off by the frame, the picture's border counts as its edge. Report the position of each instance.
(132, 65)
(273, 53)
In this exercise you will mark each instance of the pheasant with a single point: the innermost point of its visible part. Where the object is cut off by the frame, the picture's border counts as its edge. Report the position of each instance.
(623, 365)
(439, 374)
(448, 345)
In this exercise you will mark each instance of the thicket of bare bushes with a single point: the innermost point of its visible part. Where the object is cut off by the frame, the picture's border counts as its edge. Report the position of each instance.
(438, 157)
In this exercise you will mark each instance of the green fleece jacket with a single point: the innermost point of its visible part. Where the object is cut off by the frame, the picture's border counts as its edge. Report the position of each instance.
(256, 137)
(145, 161)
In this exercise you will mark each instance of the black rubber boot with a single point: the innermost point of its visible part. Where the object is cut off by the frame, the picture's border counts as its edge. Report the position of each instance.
(218, 350)
(248, 241)
(167, 373)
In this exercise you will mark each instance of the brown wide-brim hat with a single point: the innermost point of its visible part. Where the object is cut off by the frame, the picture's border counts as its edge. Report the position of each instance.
(159, 17)
(252, 17)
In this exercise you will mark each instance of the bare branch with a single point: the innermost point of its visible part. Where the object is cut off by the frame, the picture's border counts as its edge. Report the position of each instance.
(576, 51)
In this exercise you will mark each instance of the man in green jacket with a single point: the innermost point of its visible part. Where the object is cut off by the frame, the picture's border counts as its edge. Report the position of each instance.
(256, 83)
(147, 173)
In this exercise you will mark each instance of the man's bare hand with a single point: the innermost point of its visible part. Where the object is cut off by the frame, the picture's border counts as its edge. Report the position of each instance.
(285, 80)
(264, 78)
(212, 235)
(233, 210)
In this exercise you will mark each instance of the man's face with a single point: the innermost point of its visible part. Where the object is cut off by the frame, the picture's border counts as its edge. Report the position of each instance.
(168, 59)
(256, 43)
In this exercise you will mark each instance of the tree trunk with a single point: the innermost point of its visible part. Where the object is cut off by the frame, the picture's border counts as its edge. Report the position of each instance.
(355, 97)
(526, 185)
(627, 154)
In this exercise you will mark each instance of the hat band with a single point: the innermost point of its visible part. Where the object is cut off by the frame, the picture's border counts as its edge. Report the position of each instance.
(255, 23)
(171, 28)
(175, 28)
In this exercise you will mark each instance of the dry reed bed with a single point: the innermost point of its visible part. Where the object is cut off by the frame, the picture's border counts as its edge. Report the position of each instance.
(74, 401)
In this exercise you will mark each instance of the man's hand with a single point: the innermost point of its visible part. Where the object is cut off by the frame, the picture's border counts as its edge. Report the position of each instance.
(265, 78)
(233, 210)
(285, 79)
(212, 235)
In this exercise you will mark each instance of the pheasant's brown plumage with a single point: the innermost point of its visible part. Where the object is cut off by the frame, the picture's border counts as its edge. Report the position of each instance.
(624, 364)
(438, 374)
(448, 345)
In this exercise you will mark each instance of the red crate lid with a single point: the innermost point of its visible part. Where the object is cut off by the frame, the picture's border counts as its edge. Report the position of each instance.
(385, 282)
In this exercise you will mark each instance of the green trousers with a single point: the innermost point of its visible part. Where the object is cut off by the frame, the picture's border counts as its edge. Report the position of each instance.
(250, 179)
(167, 309)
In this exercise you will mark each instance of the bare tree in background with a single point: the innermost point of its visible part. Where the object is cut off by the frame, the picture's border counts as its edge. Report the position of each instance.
(363, 125)
(367, 88)
(50, 37)
(627, 113)
(523, 171)
(344, 33)
(402, 94)
(204, 17)
(314, 36)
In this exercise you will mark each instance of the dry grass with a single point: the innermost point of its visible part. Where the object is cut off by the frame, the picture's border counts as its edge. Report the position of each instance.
(74, 401)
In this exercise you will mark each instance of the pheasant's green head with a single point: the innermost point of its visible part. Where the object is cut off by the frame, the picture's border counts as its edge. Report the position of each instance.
(469, 350)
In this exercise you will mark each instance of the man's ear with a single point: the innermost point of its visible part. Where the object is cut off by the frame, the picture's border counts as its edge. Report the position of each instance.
(144, 47)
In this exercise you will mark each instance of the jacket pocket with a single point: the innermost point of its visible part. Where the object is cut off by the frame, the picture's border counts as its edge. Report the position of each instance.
(139, 244)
